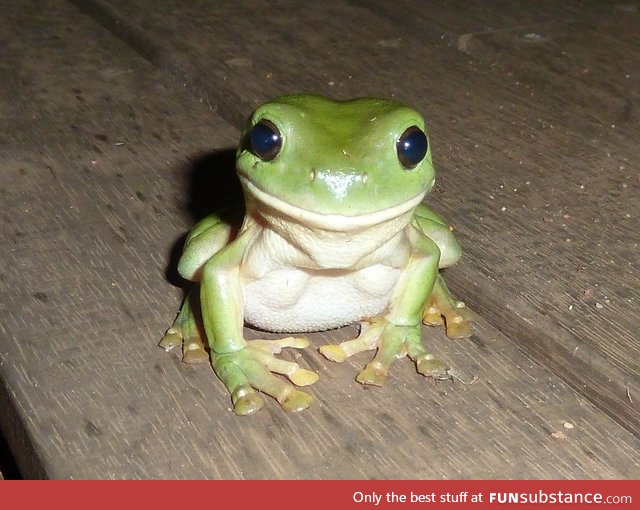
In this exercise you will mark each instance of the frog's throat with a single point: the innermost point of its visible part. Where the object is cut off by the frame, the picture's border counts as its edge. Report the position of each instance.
(334, 222)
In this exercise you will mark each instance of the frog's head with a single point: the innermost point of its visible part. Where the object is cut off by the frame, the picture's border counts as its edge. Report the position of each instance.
(336, 164)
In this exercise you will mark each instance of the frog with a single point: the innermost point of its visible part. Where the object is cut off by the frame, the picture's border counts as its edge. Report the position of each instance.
(333, 231)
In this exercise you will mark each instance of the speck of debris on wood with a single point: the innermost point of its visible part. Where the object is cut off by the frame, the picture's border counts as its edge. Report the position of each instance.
(559, 435)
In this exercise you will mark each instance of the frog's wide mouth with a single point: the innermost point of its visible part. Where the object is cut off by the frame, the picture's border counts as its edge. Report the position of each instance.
(335, 222)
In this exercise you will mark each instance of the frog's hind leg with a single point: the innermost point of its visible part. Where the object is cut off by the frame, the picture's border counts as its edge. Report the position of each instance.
(443, 307)
(187, 331)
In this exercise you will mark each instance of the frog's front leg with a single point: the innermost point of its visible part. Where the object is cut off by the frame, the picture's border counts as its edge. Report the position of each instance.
(246, 366)
(397, 333)
(207, 237)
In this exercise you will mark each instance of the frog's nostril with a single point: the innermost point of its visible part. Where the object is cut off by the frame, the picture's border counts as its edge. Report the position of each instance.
(312, 175)
(365, 178)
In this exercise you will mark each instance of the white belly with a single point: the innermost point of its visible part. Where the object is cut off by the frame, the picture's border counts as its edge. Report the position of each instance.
(296, 300)
(299, 279)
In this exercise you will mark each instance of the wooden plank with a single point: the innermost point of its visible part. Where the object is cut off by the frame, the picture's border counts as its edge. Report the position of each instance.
(457, 23)
(579, 63)
(95, 179)
(539, 162)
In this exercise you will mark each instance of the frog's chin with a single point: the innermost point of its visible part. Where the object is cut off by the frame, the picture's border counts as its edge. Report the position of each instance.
(334, 222)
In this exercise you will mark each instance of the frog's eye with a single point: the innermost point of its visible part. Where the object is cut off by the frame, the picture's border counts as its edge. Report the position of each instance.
(265, 140)
(412, 147)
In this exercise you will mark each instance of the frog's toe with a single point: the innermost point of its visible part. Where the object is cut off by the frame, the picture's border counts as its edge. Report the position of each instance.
(248, 403)
(303, 377)
(171, 339)
(374, 374)
(276, 346)
(296, 401)
(298, 376)
(291, 399)
(432, 316)
(367, 340)
(429, 366)
(458, 327)
(194, 353)
(458, 321)
(334, 353)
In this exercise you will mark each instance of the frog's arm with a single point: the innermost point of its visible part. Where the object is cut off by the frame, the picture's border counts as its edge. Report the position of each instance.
(434, 226)
(244, 366)
(221, 296)
(208, 237)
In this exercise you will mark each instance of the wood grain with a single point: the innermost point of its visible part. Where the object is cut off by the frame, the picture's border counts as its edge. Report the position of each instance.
(103, 168)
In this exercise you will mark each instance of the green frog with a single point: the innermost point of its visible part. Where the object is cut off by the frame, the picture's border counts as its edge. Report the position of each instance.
(333, 231)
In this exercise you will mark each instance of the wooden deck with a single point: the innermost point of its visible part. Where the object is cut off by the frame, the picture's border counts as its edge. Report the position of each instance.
(116, 115)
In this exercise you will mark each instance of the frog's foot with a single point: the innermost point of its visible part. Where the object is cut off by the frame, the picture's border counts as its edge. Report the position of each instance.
(186, 331)
(392, 342)
(193, 350)
(251, 368)
(443, 307)
(456, 317)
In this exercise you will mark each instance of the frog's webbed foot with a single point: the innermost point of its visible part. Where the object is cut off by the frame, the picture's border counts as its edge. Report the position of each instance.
(455, 316)
(442, 307)
(193, 350)
(186, 333)
(392, 342)
(251, 368)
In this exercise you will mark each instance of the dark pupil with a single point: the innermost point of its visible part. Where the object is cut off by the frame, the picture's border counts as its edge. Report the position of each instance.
(265, 140)
(412, 147)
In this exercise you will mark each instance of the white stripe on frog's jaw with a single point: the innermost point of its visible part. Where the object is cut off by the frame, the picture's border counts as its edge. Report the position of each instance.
(334, 222)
